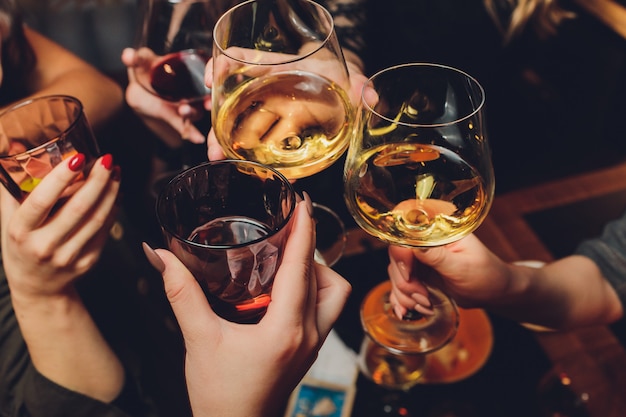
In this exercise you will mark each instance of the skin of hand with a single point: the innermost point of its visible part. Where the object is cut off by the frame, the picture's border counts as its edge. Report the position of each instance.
(357, 80)
(250, 370)
(162, 117)
(568, 293)
(44, 252)
(58, 71)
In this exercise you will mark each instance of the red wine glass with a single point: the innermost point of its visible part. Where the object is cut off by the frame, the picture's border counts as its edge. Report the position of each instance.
(174, 44)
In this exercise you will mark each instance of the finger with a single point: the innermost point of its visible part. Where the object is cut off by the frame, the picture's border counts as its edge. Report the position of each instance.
(191, 307)
(8, 205)
(90, 252)
(398, 308)
(333, 292)
(86, 202)
(128, 57)
(188, 131)
(215, 151)
(402, 259)
(436, 258)
(402, 290)
(208, 74)
(100, 207)
(357, 82)
(36, 207)
(290, 292)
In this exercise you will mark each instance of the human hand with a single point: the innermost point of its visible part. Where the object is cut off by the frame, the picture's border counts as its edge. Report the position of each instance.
(45, 249)
(466, 270)
(250, 370)
(165, 118)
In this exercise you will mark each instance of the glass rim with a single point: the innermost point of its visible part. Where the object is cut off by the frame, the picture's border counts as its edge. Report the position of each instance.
(370, 82)
(273, 232)
(28, 102)
(297, 58)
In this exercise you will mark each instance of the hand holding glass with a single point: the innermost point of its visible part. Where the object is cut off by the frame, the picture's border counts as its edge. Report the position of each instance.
(228, 222)
(36, 135)
(174, 46)
(418, 171)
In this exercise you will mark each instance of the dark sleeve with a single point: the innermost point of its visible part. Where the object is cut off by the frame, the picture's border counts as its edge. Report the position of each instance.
(24, 392)
(608, 251)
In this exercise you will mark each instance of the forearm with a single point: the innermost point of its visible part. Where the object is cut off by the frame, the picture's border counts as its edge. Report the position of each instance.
(570, 292)
(60, 72)
(66, 346)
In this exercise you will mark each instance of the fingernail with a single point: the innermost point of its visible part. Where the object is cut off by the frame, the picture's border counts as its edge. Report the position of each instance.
(398, 310)
(309, 203)
(107, 161)
(153, 257)
(423, 310)
(421, 299)
(404, 272)
(77, 162)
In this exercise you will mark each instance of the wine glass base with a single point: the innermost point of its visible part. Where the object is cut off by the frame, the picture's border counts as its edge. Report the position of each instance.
(424, 334)
(466, 353)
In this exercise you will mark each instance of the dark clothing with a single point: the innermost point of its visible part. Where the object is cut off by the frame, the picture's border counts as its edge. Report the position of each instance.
(609, 252)
(126, 299)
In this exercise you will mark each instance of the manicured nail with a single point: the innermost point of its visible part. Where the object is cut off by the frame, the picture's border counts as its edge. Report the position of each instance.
(423, 310)
(153, 257)
(77, 162)
(107, 161)
(404, 271)
(399, 311)
(421, 299)
(309, 203)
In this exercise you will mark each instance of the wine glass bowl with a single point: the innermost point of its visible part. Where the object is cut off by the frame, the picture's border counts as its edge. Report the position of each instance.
(418, 173)
(280, 86)
(174, 46)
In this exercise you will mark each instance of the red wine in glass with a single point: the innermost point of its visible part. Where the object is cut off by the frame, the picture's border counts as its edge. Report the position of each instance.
(179, 76)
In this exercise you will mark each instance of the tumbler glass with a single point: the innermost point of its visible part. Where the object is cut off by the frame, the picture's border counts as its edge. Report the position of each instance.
(39, 133)
(228, 222)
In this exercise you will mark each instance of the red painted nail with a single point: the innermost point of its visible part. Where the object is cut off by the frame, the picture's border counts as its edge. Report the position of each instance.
(107, 161)
(77, 162)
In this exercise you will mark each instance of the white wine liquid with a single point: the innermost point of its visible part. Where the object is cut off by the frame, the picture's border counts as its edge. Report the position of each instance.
(296, 122)
(415, 195)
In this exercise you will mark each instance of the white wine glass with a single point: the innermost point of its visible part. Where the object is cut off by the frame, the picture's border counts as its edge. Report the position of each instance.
(280, 85)
(280, 88)
(418, 173)
(173, 46)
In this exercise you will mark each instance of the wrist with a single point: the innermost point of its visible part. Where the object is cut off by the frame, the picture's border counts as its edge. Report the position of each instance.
(46, 308)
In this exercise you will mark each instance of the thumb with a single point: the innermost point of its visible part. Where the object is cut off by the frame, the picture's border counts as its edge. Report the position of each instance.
(191, 307)
(431, 256)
